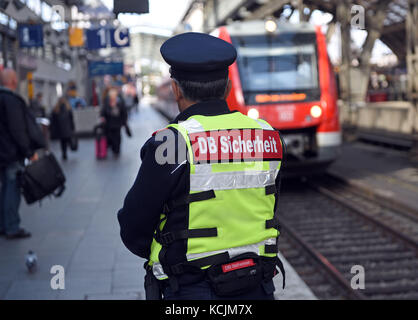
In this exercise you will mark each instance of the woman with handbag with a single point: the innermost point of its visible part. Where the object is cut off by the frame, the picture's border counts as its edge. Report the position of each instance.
(63, 122)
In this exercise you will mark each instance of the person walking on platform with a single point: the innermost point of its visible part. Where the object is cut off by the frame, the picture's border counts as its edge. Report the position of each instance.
(114, 116)
(203, 208)
(36, 106)
(136, 102)
(63, 124)
(15, 146)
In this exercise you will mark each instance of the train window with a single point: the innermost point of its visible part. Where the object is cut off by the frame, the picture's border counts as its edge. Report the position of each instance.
(277, 64)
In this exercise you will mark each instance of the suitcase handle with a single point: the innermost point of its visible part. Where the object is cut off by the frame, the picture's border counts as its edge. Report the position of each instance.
(59, 192)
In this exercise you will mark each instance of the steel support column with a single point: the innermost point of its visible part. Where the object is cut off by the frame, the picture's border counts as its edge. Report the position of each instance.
(374, 25)
(412, 65)
(343, 16)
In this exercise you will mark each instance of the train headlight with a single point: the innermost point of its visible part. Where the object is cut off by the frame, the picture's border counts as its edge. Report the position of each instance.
(270, 25)
(316, 111)
(253, 113)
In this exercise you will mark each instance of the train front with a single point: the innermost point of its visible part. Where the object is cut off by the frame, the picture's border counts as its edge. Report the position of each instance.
(283, 75)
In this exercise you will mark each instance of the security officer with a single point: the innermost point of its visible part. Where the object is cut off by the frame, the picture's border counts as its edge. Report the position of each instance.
(202, 210)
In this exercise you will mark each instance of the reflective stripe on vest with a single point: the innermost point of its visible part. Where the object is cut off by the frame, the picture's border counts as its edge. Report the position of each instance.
(232, 180)
(192, 126)
(158, 271)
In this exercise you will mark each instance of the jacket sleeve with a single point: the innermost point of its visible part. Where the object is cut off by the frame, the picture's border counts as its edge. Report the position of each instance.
(17, 126)
(143, 205)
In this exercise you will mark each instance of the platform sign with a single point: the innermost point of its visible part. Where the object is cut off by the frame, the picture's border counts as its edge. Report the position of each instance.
(76, 37)
(102, 68)
(99, 38)
(96, 38)
(31, 35)
(119, 38)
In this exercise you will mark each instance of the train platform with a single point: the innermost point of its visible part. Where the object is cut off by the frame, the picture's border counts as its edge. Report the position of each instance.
(387, 174)
(79, 231)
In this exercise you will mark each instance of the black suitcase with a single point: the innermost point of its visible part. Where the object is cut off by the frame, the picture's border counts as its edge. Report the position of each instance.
(74, 143)
(42, 178)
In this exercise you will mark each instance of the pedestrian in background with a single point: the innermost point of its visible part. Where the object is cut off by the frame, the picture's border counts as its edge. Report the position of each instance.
(63, 123)
(114, 116)
(136, 103)
(15, 146)
(36, 106)
(39, 112)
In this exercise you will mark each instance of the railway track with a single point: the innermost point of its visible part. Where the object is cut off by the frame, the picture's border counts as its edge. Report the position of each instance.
(327, 229)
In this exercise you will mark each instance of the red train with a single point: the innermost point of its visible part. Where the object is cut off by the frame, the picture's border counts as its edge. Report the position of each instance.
(283, 75)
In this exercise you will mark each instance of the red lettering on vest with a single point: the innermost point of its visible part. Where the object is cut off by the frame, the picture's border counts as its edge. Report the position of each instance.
(236, 145)
(237, 265)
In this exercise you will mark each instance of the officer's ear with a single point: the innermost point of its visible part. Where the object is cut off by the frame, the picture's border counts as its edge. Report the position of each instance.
(227, 89)
(178, 95)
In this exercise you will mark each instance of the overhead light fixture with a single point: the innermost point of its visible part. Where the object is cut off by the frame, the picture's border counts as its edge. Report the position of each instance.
(270, 25)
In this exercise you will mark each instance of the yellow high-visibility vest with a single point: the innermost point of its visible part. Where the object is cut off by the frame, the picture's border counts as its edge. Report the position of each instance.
(234, 162)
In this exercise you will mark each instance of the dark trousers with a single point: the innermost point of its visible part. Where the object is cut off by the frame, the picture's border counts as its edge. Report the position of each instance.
(9, 199)
(114, 140)
(65, 143)
(203, 291)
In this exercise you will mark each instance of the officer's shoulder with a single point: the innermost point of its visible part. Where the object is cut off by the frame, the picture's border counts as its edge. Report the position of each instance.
(160, 136)
(264, 121)
(165, 133)
(158, 131)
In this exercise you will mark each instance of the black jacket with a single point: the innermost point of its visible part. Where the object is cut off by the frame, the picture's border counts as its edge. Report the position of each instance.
(63, 123)
(115, 118)
(14, 137)
(155, 185)
(37, 109)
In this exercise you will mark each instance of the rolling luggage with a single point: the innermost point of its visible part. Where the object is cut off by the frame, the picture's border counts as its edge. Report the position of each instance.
(74, 143)
(42, 178)
(101, 142)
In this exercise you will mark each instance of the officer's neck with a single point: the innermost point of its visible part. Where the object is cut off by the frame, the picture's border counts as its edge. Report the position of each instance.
(184, 104)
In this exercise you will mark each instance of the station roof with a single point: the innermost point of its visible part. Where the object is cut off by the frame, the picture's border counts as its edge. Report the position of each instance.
(393, 33)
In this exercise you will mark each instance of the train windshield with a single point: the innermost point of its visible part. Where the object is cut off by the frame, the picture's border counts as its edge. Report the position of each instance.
(278, 68)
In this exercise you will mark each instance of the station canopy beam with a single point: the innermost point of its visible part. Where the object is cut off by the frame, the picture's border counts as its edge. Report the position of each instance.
(267, 9)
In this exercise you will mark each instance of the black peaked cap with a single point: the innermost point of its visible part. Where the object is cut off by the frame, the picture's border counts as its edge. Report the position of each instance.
(198, 56)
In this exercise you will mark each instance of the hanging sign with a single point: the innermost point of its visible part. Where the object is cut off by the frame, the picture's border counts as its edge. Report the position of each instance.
(101, 68)
(99, 38)
(76, 37)
(30, 35)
